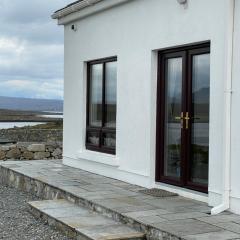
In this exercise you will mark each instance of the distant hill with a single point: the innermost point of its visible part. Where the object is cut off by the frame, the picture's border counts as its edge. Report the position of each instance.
(28, 104)
(201, 96)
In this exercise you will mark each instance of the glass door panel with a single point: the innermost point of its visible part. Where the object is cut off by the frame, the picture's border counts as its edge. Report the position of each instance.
(173, 109)
(200, 118)
(183, 117)
(95, 116)
(110, 94)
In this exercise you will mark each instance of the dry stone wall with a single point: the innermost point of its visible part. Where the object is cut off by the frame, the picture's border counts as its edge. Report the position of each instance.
(31, 151)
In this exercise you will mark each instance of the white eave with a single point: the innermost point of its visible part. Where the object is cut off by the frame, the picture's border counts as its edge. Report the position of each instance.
(83, 9)
(74, 8)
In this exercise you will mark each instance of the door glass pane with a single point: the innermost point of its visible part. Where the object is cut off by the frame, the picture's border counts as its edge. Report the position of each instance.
(173, 107)
(95, 114)
(110, 94)
(200, 118)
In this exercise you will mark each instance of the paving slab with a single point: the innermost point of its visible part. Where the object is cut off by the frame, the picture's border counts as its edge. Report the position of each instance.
(67, 212)
(201, 208)
(50, 204)
(220, 218)
(171, 202)
(147, 213)
(221, 235)
(81, 223)
(114, 232)
(186, 227)
(90, 220)
(160, 218)
(230, 226)
(184, 215)
(128, 209)
(151, 219)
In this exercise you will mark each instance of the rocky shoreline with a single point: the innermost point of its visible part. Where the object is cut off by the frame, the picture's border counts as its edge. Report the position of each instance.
(31, 134)
(26, 116)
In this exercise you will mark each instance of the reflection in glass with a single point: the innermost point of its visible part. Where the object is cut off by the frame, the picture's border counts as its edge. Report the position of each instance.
(173, 101)
(200, 117)
(95, 115)
(109, 140)
(110, 94)
(93, 138)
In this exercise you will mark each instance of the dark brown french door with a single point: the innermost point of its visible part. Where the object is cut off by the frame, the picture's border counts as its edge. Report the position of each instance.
(182, 145)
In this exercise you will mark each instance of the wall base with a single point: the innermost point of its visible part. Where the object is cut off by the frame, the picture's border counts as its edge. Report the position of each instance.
(133, 178)
(215, 199)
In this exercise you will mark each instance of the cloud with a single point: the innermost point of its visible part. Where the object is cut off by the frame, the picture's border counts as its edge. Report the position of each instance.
(32, 89)
(31, 49)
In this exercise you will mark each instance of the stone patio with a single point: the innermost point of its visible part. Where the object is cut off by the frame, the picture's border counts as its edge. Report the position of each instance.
(159, 218)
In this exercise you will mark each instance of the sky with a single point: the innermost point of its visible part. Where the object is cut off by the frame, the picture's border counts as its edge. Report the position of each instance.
(31, 49)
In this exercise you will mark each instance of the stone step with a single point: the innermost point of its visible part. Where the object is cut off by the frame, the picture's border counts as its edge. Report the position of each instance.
(81, 223)
(170, 218)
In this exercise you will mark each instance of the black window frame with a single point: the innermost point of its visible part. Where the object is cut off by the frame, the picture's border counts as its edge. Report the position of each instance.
(100, 131)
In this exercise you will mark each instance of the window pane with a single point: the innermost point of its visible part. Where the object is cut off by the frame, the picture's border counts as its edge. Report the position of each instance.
(95, 111)
(200, 118)
(93, 138)
(110, 94)
(172, 141)
(109, 140)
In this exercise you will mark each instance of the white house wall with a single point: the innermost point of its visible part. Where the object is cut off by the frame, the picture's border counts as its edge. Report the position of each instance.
(235, 166)
(133, 32)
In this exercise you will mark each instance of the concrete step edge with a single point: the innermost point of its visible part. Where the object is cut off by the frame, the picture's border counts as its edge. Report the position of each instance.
(72, 232)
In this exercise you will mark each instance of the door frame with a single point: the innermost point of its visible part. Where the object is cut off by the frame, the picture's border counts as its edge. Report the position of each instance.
(184, 51)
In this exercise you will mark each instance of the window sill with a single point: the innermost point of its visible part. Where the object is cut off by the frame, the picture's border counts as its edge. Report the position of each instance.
(98, 157)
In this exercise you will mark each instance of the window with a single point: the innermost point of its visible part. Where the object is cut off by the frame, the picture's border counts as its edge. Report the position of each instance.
(101, 105)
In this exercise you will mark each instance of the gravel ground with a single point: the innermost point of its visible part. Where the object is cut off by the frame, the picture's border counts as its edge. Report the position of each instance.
(17, 223)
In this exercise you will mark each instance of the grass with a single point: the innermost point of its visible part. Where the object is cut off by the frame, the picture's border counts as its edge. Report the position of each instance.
(49, 125)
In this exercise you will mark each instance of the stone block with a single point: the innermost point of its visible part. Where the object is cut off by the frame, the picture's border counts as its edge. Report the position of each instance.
(13, 146)
(36, 147)
(50, 148)
(28, 155)
(5, 147)
(22, 146)
(57, 152)
(2, 155)
(41, 155)
(23, 149)
(13, 154)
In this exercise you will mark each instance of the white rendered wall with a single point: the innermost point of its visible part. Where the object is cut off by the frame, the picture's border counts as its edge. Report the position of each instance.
(235, 167)
(134, 32)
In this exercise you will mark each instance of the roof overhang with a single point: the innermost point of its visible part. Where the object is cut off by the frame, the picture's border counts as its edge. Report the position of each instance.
(83, 8)
(74, 7)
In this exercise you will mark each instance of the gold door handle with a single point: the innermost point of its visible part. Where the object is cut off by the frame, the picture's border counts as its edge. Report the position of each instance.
(180, 118)
(187, 118)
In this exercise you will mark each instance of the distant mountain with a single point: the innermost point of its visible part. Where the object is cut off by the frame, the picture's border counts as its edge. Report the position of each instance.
(29, 104)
